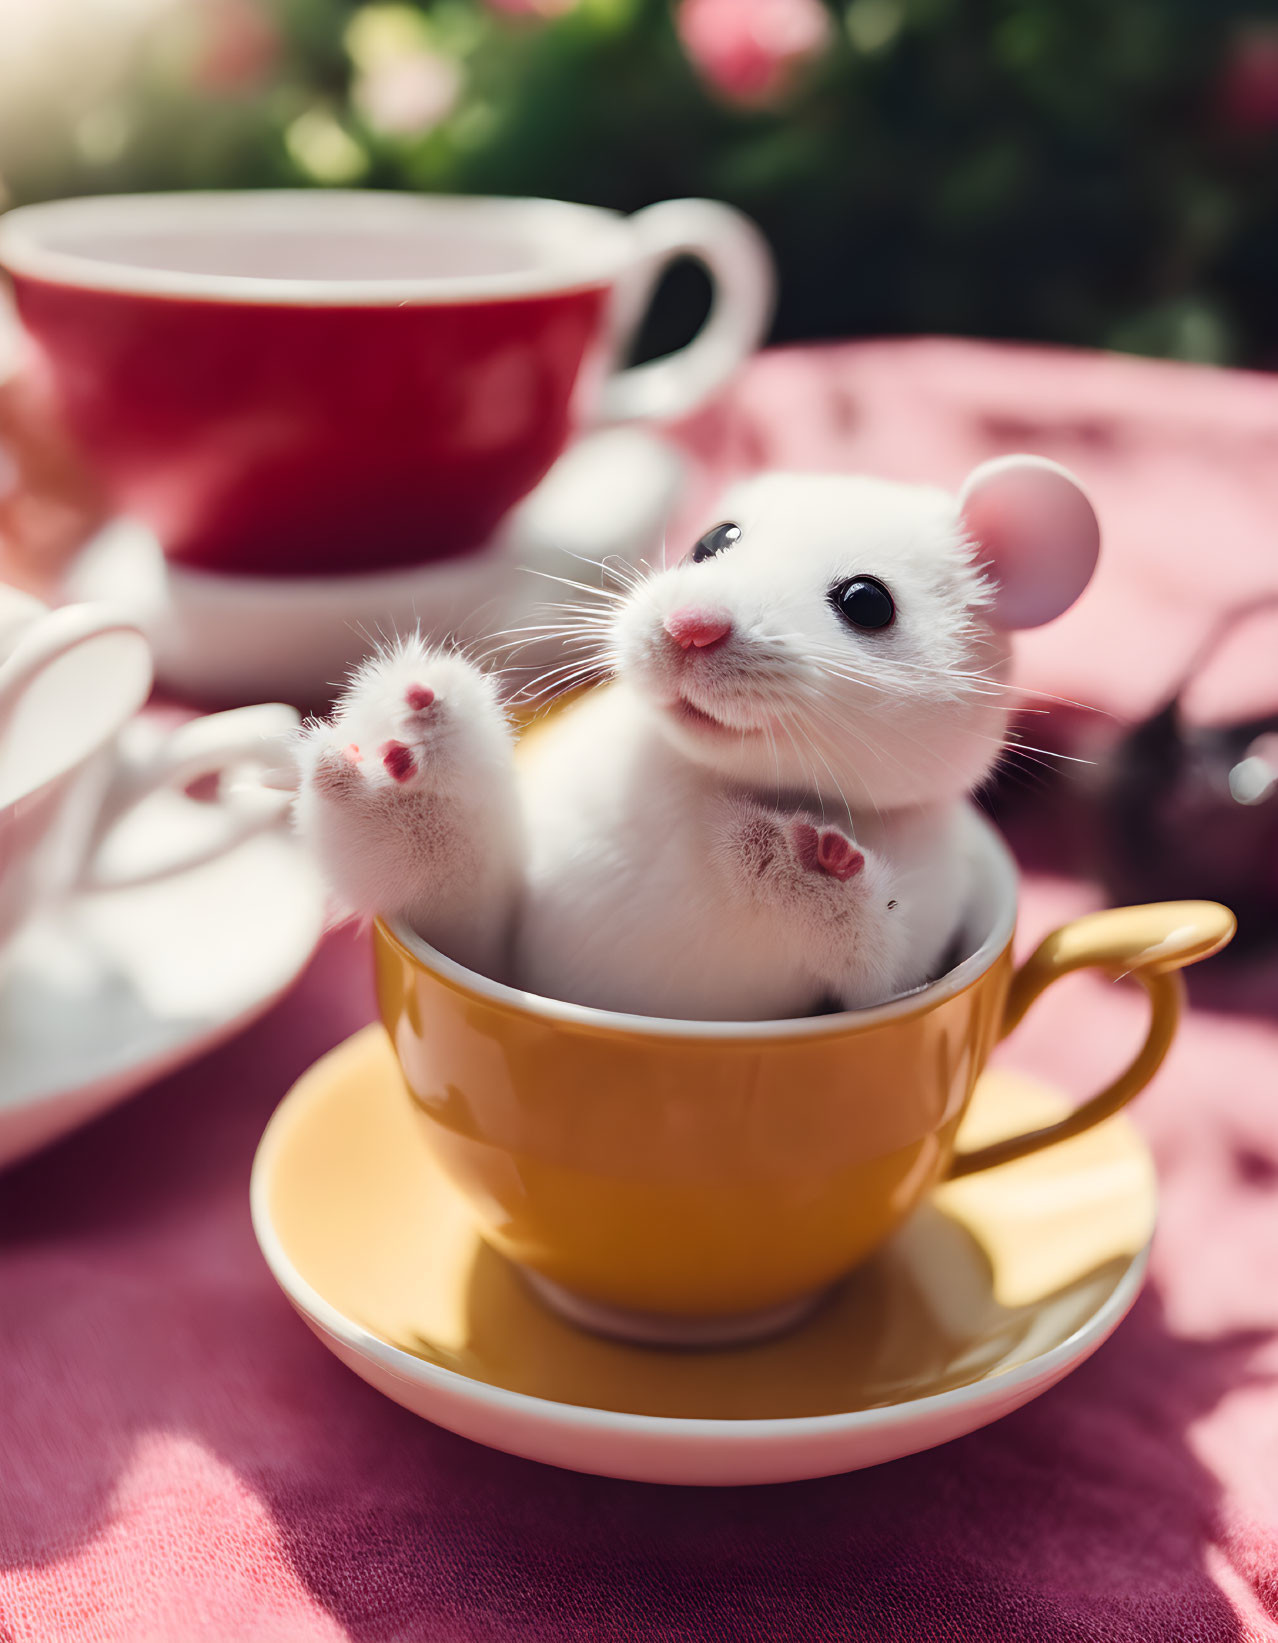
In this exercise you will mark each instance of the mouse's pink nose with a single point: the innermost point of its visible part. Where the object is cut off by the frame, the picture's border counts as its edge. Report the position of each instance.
(700, 629)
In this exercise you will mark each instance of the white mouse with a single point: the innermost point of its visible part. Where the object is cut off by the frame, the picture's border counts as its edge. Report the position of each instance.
(764, 812)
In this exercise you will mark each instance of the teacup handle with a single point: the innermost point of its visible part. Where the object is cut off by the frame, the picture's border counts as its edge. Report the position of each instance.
(201, 747)
(86, 668)
(736, 256)
(1149, 943)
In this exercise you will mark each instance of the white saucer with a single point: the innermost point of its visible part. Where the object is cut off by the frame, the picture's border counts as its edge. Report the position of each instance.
(117, 988)
(990, 1294)
(228, 640)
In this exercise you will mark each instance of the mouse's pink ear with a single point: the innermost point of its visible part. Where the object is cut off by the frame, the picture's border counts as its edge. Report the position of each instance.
(1036, 537)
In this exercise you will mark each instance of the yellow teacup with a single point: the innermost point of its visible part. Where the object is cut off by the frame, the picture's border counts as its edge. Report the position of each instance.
(704, 1182)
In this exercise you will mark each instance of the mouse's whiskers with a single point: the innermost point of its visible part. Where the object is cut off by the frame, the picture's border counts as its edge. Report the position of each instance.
(592, 590)
(826, 730)
(583, 668)
(575, 630)
(626, 573)
(793, 722)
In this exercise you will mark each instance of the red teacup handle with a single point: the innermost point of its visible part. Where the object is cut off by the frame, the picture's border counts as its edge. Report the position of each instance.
(736, 257)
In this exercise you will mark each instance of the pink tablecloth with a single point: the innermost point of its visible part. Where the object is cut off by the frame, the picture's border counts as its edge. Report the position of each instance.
(179, 1459)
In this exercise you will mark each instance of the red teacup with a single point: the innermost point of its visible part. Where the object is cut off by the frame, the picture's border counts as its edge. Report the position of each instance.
(317, 382)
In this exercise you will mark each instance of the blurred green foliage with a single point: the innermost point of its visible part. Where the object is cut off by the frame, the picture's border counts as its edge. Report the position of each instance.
(1087, 171)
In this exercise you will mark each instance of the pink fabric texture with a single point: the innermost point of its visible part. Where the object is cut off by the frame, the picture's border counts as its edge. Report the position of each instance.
(180, 1459)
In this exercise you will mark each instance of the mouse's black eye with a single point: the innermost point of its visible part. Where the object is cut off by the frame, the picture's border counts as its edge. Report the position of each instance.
(715, 541)
(863, 602)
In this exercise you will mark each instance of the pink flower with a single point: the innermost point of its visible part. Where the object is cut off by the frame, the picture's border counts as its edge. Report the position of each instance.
(238, 49)
(751, 50)
(1248, 86)
(405, 96)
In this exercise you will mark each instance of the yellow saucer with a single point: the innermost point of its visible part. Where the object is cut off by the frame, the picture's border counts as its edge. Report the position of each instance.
(990, 1294)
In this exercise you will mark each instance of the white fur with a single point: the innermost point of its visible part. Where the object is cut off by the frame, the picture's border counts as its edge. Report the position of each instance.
(656, 854)
(443, 849)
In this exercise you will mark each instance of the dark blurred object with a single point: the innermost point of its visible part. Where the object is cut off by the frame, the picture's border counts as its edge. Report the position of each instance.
(1190, 811)
(1099, 172)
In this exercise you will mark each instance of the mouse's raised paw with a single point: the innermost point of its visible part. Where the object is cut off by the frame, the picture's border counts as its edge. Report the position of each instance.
(411, 719)
(793, 862)
(344, 768)
(335, 769)
(825, 850)
(822, 874)
(417, 720)
(407, 797)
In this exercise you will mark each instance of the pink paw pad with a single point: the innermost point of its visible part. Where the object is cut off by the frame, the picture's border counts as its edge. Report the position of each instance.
(419, 697)
(352, 754)
(398, 761)
(825, 850)
(838, 856)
